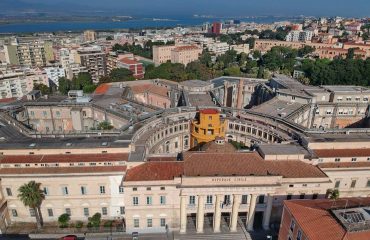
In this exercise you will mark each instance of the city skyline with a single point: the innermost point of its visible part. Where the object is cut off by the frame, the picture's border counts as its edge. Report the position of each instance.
(169, 8)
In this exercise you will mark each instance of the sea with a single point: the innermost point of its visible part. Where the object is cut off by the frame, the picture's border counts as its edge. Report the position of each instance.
(130, 24)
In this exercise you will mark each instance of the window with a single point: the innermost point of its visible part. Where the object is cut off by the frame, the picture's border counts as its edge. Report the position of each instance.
(301, 196)
(86, 212)
(261, 199)
(50, 212)
(368, 183)
(192, 200)
(32, 212)
(9, 192)
(121, 189)
(122, 210)
(46, 191)
(136, 223)
(65, 190)
(149, 200)
(163, 188)
(149, 222)
(163, 222)
(244, 199)
(315, 195)
(102, 189)
(14, 213)
(134, 189)
(104, 211)
(337, 184)
(162, 200)
(83, 190)
(68, 211)
(299, 235)
(292, 225)
(289, 196)
(354, 159)
(148, 188)
(337, 160)
(209, 199)
(353, 183)
(135, 201)
(291, 185)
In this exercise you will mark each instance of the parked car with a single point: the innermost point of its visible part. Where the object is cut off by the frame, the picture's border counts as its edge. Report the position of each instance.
(69, 237)
(135, 236)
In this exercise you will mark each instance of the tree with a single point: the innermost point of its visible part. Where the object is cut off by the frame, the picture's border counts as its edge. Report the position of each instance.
(197, 70)
(232, 71)
(64, 85)
(42, 87)
(63, 220)
(333, 194)
(121, 74)
(206, 59)
(95, 220)
(32, 196)
(105, 125)
(351, 53)
(305, 50)
(109, 38)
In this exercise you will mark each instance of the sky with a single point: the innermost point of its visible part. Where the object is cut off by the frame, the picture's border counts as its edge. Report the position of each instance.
(355, 8)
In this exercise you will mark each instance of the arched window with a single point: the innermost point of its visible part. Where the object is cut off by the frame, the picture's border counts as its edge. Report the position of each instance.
(167, 146)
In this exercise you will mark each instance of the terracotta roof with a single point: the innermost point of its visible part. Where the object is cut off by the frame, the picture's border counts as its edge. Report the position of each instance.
(317, 222)
(245, 164)
(209, 111)
(102, 89)
(63, 170)
(344, 165)
(129, 61)
(62, 158)
(330, 153)
(155, 171)
(186, 48)
(162, 91)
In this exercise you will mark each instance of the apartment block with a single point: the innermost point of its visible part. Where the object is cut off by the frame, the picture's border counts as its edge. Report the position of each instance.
(35, 53)
(95, 61)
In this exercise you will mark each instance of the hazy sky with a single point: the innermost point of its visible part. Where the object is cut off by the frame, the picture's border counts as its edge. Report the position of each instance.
(189, 7)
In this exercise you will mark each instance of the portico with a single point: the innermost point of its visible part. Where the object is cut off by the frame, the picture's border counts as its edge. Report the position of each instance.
(232, 205)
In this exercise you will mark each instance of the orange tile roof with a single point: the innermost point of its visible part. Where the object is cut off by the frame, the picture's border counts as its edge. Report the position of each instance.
(62, 158)
(63, 170)
(316, 221)
(209, 111)
(246, 164)
(344, 165)
(331, 153)
(155, 171)
(129, 61)
(102, 88)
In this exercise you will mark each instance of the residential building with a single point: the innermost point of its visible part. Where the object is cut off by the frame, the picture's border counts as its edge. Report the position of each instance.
(134, 66)
(35, 54)
(54, 73)
(95, 61)
(176, 54)
(90, 36)
(216, 28)
(16, 84)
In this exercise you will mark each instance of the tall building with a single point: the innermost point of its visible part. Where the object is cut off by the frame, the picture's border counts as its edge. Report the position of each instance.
(176, 54)
(134, 66)
(207, 126)
(216, 28)
(90, 36)
(35, 53)
(95, 61)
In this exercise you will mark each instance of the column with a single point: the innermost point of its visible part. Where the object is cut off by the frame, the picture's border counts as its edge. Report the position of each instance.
(235, 213)
(267, 214)
(217, 214)
(183, 215)
(200, 214)
(252, 207)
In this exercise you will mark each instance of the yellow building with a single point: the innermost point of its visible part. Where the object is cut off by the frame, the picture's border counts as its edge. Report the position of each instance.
(207, 126)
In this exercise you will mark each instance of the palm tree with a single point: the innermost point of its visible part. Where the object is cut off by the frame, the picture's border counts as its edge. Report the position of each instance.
(32, 196)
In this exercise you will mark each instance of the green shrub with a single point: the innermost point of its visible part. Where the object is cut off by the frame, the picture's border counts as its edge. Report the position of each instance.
(79, 224)
(63, 220)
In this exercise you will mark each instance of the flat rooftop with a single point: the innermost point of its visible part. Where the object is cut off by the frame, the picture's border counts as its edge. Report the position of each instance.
(277, 108)
(344, 88)
(195, 83)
